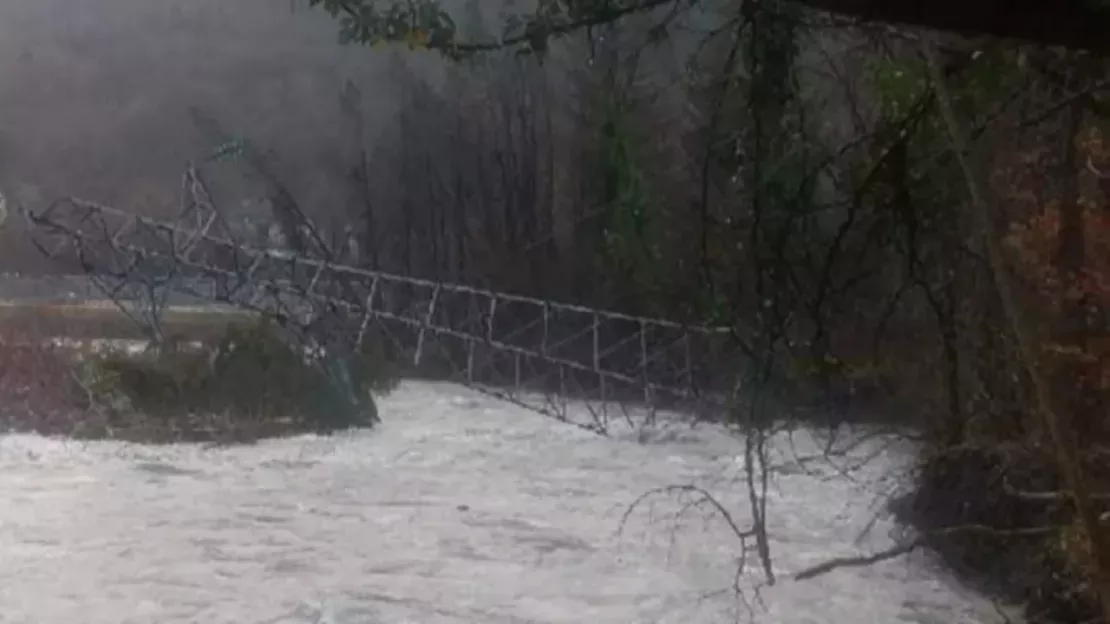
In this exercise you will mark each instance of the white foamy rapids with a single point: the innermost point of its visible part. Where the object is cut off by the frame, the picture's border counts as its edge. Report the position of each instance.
(458, 509)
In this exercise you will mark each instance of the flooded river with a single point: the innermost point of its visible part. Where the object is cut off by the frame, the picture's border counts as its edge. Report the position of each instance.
(459, 509)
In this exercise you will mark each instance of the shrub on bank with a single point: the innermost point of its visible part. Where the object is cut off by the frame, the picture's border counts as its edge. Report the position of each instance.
(39, 390)
(1021, 549)
(248, 384)
(989, 499)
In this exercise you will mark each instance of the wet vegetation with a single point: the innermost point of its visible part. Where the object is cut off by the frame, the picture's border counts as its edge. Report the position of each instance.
(902, 226)
(247, 384)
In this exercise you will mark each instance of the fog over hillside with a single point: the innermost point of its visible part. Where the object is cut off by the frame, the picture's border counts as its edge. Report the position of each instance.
(95, 99)
(94, 96)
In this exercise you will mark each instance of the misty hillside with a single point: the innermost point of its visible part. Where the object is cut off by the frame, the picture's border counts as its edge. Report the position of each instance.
(94, 96)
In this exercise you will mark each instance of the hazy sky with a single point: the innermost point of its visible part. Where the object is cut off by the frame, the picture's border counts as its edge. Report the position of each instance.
(94, 93)
(94, 97)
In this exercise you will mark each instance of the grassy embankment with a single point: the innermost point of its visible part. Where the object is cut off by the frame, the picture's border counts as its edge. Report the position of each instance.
(225, 376)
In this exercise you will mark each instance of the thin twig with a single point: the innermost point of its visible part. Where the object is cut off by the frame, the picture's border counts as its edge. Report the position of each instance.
(899, 550)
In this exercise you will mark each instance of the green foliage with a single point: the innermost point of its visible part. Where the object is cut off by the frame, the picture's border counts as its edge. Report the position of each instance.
(911, 174)
(423, 24)
(906, 101)
(772, 53)
(419, 23)
(776, 150)
(629, 253)
(250, 375)
(899, 83)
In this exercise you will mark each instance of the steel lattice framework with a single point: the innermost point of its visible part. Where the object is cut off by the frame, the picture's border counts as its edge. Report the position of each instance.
(541, 354)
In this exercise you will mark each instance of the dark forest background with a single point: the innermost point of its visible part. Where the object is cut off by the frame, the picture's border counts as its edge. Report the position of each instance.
(902, 220)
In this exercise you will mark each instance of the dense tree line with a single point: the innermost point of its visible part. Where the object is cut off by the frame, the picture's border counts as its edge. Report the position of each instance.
(891, 217)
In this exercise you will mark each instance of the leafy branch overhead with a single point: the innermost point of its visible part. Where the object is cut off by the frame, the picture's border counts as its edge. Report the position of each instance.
(1074, 24)
(425, 24)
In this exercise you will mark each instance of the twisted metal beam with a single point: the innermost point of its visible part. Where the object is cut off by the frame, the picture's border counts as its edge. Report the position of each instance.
(532, 352)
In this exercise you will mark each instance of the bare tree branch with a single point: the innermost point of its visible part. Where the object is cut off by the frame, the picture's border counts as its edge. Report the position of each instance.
(899, 550)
